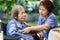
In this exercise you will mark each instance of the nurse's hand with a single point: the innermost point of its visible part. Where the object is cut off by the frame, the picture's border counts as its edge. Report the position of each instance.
(26, 30)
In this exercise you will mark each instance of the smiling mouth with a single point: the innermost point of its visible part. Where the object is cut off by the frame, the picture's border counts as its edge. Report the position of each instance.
(22, 18)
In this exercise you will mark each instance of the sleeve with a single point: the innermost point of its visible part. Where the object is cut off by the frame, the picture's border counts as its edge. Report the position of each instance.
(40, 20)
(15, 32)
(51, 21)
(12, 30)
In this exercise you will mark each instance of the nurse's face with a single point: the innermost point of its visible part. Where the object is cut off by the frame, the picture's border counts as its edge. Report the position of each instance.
(43, 11)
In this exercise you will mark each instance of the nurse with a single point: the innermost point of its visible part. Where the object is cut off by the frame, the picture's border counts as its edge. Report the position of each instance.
(46, 21)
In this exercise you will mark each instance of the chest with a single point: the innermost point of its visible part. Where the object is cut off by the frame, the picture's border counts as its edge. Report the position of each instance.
(20, 26)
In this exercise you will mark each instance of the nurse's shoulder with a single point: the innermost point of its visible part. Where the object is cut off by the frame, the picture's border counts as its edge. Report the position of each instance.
(52, 16)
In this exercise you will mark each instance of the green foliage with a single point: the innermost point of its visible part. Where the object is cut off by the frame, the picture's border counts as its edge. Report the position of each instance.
(34, 0)
(6, 5)
(56, 6)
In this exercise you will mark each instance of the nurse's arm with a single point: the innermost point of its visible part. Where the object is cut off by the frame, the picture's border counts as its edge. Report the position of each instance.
(41, 27)
(36, 28)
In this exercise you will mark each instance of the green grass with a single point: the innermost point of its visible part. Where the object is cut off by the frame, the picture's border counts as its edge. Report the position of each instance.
(33, 23)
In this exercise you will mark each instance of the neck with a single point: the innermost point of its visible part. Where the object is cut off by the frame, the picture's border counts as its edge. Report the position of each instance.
(20, 22)
(45, 17)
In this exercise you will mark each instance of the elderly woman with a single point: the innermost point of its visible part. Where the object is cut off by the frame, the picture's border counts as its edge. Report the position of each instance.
(47, 19)
(18, 23)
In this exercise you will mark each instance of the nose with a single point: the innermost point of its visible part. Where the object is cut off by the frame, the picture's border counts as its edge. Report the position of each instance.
(24, 14)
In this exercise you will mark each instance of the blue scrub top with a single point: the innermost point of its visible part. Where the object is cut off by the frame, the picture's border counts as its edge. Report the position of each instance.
(13, 28)
(51, 20)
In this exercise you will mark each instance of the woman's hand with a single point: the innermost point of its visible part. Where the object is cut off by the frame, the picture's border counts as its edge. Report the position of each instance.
(26, 30)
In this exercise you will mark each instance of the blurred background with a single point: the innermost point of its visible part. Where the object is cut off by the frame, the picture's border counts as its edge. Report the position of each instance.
(31, 8)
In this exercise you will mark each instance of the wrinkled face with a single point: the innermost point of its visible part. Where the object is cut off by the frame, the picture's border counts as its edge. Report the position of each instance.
(43, 11)
(21, 15)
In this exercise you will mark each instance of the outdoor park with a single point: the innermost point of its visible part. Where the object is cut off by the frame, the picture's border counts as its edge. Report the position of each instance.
(31, 8)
